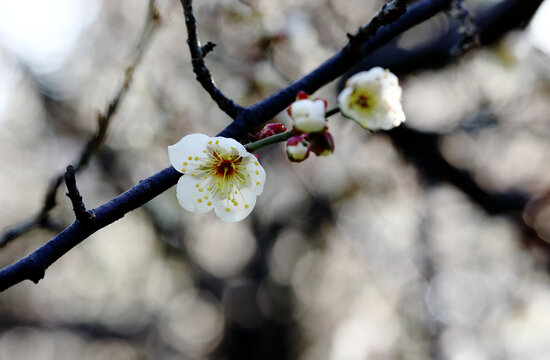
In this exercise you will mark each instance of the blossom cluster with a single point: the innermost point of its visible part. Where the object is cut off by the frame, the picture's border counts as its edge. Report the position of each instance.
(310, 129)
(220, 174)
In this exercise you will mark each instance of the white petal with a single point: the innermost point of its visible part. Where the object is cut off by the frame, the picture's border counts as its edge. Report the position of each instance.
(318, 109)
(230, 144)
(187, 149)
(190, 197)
(300, 108)
(229, 212)
(343, 100)
(257, 175)
(375, 74)
(383, 86)
(309, 125)
(308, 115)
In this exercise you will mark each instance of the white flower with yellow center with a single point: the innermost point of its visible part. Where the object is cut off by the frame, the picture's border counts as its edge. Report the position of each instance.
(217, 173)
(373, 99)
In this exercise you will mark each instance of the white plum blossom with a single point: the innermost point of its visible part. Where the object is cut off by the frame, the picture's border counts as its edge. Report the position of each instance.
(308, 115)
(218, 173)
(373, 99)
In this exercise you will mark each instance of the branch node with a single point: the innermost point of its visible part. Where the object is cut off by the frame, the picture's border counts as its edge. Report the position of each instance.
(79, 209)
(207, 48)
(467, 29)
(387, 14)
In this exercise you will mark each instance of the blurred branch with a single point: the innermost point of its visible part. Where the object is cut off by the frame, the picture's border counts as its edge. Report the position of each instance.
(199, 67)
(91, 330)
(42, 218)
(422, 150)
(92, 146)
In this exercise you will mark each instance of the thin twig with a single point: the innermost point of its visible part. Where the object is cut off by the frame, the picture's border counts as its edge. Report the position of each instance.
(42, 218)
(79, 209)
(332, 111)
(199, 67)
(257, 145)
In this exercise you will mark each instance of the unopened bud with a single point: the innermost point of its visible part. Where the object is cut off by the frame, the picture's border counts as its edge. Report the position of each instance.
(270, 130)
(297, 148)
(308, 115)
(322, 144)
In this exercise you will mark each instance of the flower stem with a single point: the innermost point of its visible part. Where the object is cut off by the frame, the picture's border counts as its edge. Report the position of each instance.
(257, 145)
(332, 111)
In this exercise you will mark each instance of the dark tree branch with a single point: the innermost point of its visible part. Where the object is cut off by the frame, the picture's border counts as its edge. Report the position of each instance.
(331, 69)
(492, 22)
(389, 13)
(34, 266)
(42, 218)
(199, 67)
(467, 28)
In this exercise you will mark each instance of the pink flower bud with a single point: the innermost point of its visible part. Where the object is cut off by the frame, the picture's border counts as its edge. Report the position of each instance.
(297, 148)
(270, 130)
(322, 144)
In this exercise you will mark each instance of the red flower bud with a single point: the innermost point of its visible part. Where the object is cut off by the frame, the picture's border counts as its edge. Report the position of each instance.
(302, 95)
(270, 130)
(322, 144)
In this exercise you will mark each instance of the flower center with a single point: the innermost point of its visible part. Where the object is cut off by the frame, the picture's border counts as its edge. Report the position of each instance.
(225, 168)
(362, 101)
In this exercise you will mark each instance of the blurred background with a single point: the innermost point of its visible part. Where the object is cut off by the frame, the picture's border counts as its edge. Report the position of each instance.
(430, 241)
